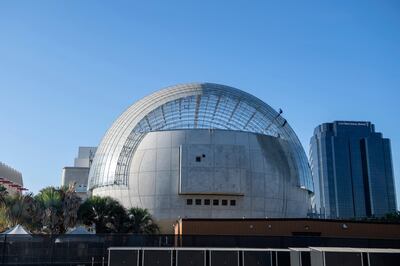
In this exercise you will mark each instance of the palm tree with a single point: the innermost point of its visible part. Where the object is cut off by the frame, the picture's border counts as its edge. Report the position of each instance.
(59, 208)
(105, 213)
(50, 201)
(18, 209)
(70, 205)
(141, 222)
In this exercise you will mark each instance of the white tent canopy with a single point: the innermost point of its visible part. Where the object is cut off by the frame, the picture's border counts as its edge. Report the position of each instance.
(5, 232)
(78, 234)
(17, 230)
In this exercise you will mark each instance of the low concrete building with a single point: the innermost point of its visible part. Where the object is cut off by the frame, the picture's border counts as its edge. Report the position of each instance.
(11, 179)
(288, 227)
(78, 174)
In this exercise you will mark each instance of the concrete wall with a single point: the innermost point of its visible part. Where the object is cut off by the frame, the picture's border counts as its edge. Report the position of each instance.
(288, 227)
(85, 156)
(255, 171)
(77, 175)
(213, 169)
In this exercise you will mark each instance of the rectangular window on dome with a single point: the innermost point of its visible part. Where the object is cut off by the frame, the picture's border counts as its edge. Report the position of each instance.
(189, 202)
(206, 202)
(198, 201)
(215, 202)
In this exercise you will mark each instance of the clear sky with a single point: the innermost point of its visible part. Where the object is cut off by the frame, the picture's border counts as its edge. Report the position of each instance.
(69, 68)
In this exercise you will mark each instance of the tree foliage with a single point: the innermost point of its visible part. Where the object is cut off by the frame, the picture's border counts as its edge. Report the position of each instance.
(49, 200)
(19, 209)
(105, 213)
(59, 208)
(393, 217)
(55, 210)
(3, 195)
(70, 206)
(140, 221)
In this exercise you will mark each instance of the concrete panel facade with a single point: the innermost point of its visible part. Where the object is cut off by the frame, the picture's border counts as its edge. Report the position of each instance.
(79, 173)
(77, 176)
(241, 174)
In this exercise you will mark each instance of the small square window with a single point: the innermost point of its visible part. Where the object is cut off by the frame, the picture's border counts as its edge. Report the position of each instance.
(189, 202)
(224, 202)
(206, 202)
(233, 202)
(215, 202)
(198, 201)
(198, 159)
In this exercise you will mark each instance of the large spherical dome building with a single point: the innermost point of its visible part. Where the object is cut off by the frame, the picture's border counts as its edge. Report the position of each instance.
(203, 150)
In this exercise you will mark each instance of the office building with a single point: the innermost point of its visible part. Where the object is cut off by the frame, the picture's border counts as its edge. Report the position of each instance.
(352, 169)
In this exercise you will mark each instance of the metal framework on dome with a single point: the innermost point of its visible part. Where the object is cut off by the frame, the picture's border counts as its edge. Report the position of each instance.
(194, 106)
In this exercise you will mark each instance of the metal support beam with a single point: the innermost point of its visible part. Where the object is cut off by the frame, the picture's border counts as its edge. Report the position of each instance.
(216, 106)
(196, 112)
(234, 110)
(251, 118)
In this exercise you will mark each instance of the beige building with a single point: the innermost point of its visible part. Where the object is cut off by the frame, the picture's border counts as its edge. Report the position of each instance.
(78, 174)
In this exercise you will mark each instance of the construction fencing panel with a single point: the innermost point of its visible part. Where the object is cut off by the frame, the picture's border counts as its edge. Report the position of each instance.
(157, 257)
(384, 259)
(123, 257)
(74, 250)
(313, 256)
(119, 256)
(283, 258)
(333, 256)
(343, 259)
(300, 257)
(305, 258)
(255, 257)
(266, 257)
(224, 257)
(190, 257)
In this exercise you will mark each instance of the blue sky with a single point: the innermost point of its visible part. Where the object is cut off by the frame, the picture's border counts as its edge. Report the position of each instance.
(69, 68)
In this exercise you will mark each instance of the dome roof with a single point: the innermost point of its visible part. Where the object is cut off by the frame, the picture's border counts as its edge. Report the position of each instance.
(189, 106)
